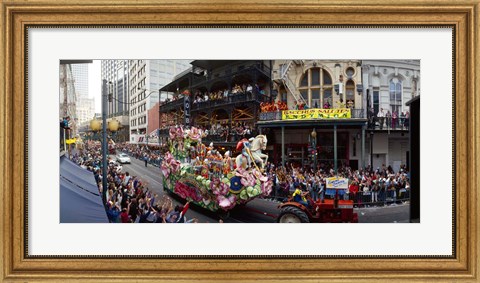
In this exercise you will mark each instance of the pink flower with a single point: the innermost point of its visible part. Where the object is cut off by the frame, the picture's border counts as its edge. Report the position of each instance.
(170, 165)
(248, 180)
(215, 186)
(179, 133)
(165, 171)
(172, 133)
(194, 134)
(224, 188)
(240, 172)
(187, 192)
(226, 203)
(168, 156)
(259, 175)
(267, 187)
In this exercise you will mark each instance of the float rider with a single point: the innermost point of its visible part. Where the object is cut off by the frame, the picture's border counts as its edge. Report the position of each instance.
(299, 196)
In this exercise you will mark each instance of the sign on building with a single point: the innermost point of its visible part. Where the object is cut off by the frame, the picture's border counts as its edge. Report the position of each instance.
(186, 108)
(336, 113)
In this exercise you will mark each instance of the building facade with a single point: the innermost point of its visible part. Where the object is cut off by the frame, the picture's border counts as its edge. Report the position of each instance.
(68, 98)
(225, 97)
(364, 88)
(153, 124)
(317, 84)
(145, 79)
(389, 85)
(85, 106)
(80, 74)
(115, 72)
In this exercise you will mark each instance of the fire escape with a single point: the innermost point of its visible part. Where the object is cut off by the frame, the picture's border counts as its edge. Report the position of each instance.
(287, 82)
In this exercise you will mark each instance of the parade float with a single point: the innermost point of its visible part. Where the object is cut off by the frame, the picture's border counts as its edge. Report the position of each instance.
(218, 182)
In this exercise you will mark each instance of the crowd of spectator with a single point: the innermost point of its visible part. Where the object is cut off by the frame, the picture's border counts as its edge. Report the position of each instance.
(248, 89)
(128, 199)
(151, 154)
(366, 187)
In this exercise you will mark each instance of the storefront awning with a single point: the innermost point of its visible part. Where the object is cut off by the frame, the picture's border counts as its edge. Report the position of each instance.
(80, 201)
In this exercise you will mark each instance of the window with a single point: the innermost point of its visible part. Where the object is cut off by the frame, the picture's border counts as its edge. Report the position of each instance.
(304, 93)
(395, 95)
(350, 93)
(315, 77)
(376, 101)
(316, 87)
(350, 72)
(304, 82)
(316, 98)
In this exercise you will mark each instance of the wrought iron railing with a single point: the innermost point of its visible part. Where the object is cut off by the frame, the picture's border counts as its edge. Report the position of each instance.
(270, 116)
(171, 105)
(378, 123)
(358, 113)
(230, 99)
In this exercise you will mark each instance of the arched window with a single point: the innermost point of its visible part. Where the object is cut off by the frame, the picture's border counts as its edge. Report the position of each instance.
(395, 95)
(350, 93)
(316, 87)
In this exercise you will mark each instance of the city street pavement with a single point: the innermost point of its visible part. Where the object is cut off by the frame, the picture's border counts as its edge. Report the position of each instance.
(257, 210)
(388, 214)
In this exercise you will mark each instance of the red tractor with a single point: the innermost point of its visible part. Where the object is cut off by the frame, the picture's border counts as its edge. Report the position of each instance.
(329, 211)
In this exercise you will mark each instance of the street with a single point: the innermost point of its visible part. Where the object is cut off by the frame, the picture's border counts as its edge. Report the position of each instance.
(257, 210)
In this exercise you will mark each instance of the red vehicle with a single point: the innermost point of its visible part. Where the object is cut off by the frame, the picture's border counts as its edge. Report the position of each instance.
(328, 211)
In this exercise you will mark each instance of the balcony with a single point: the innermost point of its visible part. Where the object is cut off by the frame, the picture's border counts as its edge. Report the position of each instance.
(378, 124)
(270, 116)
(172, 105)
(230, 99)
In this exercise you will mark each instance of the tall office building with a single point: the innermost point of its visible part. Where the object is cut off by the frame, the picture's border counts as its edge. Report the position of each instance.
(80, 74)
(115, 72)
(85, 105)
(146, 77)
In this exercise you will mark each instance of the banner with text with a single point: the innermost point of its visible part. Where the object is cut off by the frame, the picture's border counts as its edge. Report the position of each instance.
(339, 113)
(337, 183)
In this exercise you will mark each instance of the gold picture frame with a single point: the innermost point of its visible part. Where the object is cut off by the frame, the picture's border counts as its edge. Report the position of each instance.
(462, 15)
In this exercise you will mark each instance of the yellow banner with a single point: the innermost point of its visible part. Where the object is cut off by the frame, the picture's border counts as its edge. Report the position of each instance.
(70, 141)
(338, 113)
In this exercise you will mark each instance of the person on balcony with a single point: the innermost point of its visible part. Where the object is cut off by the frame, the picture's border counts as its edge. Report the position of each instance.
(326, 105)
(402, 120)
(371, 118)
(388, 118)
(381, 118)
(394, 119)
(340, 103)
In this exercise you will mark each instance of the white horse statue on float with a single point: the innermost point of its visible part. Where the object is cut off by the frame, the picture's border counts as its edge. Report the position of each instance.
(258, 144)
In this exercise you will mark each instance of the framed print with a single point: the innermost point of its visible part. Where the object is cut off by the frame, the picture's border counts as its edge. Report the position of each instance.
(254, 114)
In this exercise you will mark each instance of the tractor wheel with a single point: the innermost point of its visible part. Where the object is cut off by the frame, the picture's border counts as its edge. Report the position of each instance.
(291, 214)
